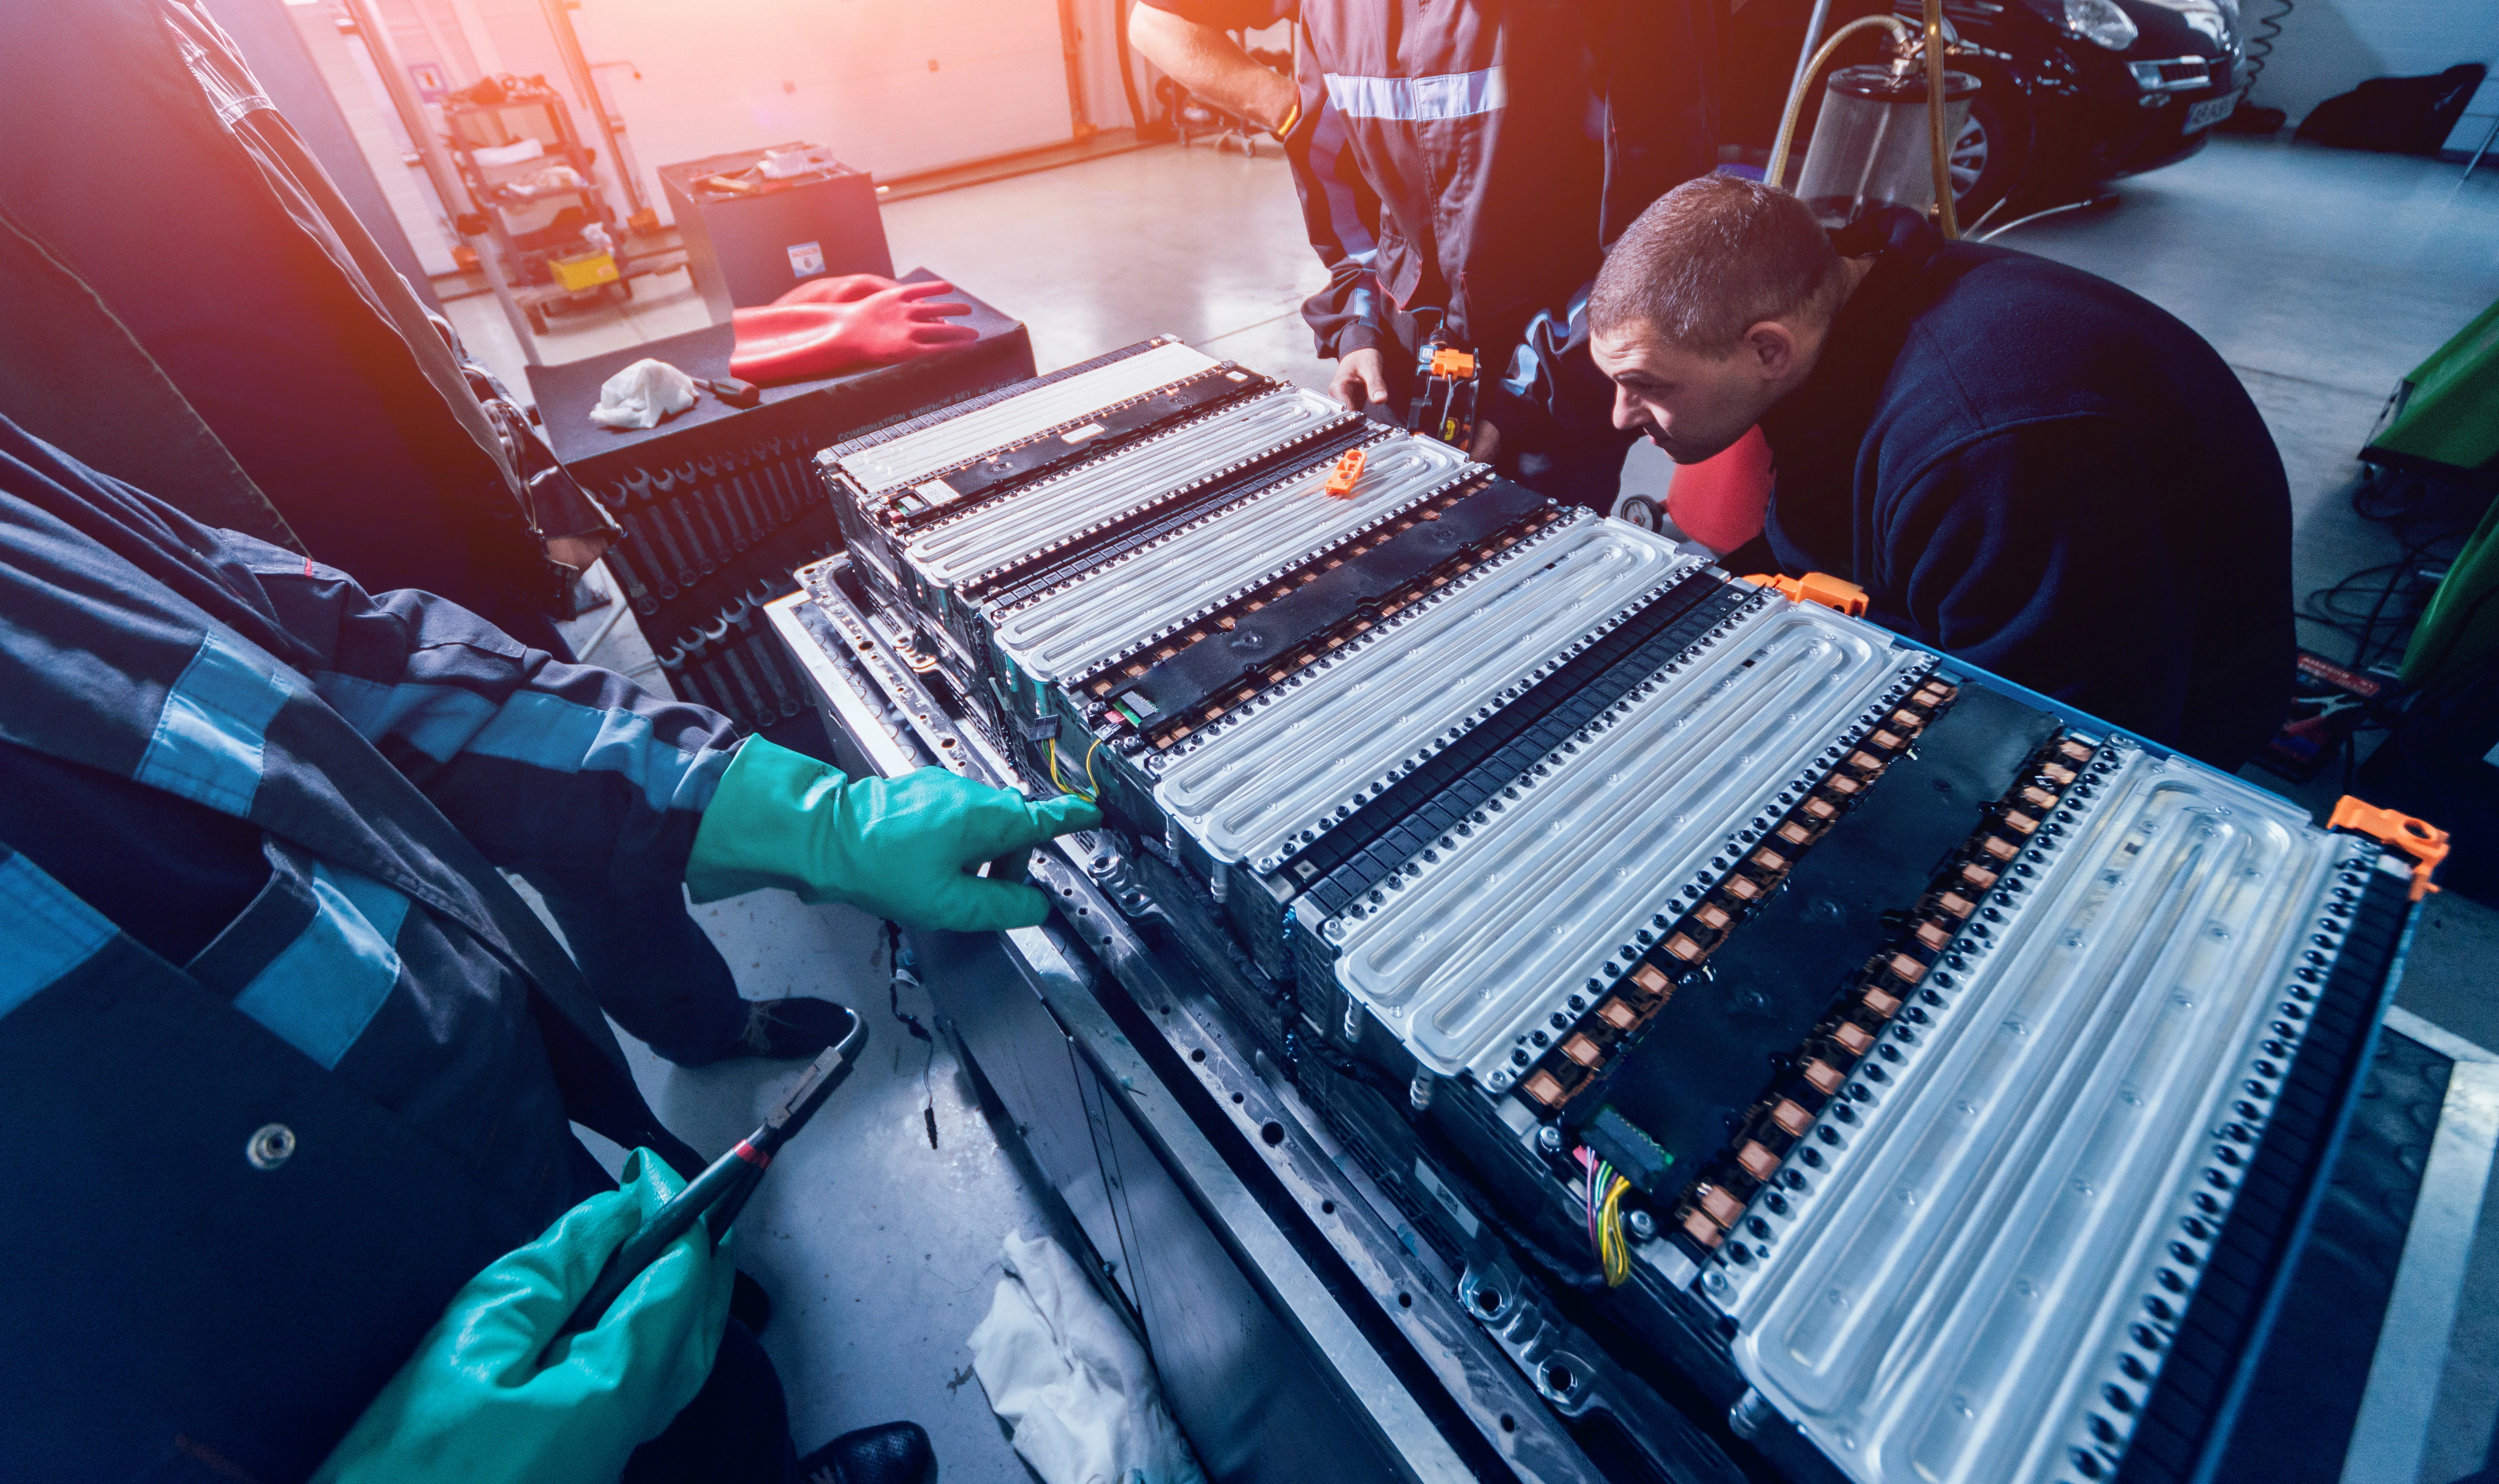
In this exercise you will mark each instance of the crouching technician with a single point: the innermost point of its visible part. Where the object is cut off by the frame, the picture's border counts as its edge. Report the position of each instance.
(2020, 463)
(286, 1064)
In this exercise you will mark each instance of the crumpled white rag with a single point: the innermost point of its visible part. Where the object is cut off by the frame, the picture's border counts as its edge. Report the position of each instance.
(642, 393)
(1067, 1375)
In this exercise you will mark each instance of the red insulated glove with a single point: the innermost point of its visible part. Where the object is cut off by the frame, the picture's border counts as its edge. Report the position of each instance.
(789, 341)
(846, 289)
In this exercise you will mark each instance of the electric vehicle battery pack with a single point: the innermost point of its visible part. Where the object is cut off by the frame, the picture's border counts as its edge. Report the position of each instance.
(1964, 1061)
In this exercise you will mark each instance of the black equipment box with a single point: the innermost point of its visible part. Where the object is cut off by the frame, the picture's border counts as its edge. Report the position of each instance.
(720, 503)
(749, 247)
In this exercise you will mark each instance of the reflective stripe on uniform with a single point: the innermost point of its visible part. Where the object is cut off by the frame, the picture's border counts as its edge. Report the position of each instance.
(210, 734)
(321, 990)
(1457, 95)
(1360, 302)
(44, 931)
(437, 720)
(317, 995)
(532, 727)
(561, 736)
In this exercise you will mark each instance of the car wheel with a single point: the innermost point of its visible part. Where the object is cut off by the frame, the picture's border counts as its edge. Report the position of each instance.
(1987, 159)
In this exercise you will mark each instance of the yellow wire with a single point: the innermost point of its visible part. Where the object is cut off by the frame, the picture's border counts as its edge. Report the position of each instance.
(1612, 1249)
(1062, 786)
(1618, 1269)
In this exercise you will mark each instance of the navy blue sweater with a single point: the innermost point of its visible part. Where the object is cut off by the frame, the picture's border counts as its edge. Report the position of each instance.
(2032, 468)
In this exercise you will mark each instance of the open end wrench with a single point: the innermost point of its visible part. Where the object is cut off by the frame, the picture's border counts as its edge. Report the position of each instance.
(716, 641)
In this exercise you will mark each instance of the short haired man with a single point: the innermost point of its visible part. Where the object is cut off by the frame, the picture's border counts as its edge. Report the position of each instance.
(2022, 464)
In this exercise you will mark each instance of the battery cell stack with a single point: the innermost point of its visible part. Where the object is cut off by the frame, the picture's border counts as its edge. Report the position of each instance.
(1933, 1032)
(718, 505)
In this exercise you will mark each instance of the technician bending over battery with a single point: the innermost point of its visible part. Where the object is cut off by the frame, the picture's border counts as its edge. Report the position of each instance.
(2022, 464)
(286, 1064)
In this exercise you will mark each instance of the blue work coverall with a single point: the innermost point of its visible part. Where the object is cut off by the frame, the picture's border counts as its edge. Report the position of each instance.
(263, 369)
(1464, 165)
(253, 1154)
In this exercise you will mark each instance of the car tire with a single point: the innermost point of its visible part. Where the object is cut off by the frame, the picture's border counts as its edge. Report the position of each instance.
(1987, 155)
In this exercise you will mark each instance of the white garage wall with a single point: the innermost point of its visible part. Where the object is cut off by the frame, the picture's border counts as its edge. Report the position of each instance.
(2330, 47)
(892, 87)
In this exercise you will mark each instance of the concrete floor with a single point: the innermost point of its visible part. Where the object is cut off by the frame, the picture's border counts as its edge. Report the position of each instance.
(2322, 277)
(880, 1248)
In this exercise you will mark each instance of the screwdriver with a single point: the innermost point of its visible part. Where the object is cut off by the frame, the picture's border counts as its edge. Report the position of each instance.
(717, 1195)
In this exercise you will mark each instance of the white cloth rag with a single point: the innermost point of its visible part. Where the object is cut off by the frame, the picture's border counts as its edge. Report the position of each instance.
(642, 393)
(1061, 1368)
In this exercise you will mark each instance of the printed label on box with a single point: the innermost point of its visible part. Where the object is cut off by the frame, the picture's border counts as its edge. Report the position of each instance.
(806, 259)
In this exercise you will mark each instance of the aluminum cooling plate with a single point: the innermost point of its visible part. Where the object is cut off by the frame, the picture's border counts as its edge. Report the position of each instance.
(1036, 518)
(915, 456)
(1248, 785)
(1148, 592)
(1463, 959)
(1949, 1295)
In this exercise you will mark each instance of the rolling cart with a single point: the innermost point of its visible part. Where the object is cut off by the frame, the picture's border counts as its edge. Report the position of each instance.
(553, 237)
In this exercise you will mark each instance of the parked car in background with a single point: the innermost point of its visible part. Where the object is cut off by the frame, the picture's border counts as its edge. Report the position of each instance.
(2072, 92)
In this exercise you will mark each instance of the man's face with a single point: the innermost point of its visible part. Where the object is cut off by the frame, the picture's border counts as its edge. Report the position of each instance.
(1690, 404)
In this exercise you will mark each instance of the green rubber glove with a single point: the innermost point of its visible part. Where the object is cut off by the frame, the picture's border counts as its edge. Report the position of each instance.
(472, 1404)
(901, 848)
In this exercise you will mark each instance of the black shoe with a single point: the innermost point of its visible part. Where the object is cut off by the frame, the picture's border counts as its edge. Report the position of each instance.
(793, 1028)
(888, 1453)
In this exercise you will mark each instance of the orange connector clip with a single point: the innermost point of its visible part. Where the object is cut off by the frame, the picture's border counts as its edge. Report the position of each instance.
(1340, 480)
(2425, 843)
(1452, 363)
(1818, 587)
